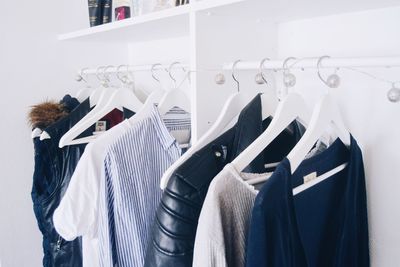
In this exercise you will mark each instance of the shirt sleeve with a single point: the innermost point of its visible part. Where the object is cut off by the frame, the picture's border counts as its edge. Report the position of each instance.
(209, 249)
(76, 214)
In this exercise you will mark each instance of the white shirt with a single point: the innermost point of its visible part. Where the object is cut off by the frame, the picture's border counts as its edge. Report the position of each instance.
(77, 213)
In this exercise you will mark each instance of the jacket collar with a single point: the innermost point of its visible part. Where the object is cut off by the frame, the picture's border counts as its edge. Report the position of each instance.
(249, 126)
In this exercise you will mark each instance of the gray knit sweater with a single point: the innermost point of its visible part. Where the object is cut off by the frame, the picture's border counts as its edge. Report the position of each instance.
(224, 221)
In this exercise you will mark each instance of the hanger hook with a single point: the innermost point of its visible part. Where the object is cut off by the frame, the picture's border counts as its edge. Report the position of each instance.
(98, 73)
(289, 79)
(81, 75)
(105, 74)
(333, 81)
(262, 69)
(123, 79)
(233, 73)
(170, 70)
(285, 67)
(153, 67)
(318, 68)
(106, 77)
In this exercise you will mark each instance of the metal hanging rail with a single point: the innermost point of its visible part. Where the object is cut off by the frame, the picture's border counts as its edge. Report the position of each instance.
(360, 62)
(129, 68)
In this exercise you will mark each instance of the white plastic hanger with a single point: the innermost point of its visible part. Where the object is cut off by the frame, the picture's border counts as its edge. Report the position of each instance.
(325, 114)
(105, 96)
(269, 100)
(232, 108)
(153, 99)
(291, 108)
(120, 98)
(95, 96)
(174, 97)
(83, 93)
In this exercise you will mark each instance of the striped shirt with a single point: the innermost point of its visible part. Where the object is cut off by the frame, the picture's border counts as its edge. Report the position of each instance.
(130, 193)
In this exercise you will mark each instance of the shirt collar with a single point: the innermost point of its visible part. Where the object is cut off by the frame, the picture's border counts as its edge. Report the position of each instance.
(167, 140)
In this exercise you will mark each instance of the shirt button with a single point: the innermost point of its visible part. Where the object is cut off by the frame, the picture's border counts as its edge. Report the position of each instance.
(218, 154)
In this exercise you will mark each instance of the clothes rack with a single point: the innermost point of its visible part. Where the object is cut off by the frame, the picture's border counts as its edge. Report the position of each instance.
(311, 62)
(131, 68)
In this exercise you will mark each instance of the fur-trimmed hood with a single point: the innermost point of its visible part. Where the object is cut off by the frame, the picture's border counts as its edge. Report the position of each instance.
(44, 114)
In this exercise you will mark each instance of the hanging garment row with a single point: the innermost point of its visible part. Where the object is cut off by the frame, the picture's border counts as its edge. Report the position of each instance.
(60, 145)
(272, 183)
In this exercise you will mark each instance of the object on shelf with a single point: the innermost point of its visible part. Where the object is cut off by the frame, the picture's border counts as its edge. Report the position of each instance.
(162, 4)
(149, 6)
(122, 9)
(137, 7)
(181, 2)
(95, 16)
(106, 11)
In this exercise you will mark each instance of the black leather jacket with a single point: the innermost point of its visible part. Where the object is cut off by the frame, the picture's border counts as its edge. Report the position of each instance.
(53, 171)
(175, 224)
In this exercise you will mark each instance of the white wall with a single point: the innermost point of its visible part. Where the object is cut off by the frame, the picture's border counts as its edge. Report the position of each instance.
(34, 66)
(372, 119)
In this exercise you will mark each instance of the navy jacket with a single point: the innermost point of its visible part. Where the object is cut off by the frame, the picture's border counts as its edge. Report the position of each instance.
(53, 170)
(175, 225)
(325, 225)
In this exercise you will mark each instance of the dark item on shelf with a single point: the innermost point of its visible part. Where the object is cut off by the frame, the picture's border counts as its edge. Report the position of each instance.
(181, 2)
(122, 12)
(95, 15)
(106, 11)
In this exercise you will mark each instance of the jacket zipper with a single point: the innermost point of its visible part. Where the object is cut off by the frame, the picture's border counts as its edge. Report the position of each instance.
(59, 241)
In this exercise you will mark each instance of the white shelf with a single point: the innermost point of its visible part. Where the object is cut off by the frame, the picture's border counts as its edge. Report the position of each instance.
(162, 24)
(174, 22)
(167, 23)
